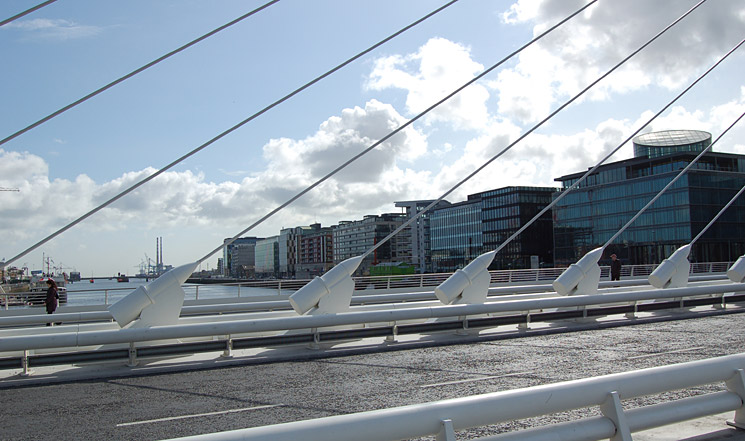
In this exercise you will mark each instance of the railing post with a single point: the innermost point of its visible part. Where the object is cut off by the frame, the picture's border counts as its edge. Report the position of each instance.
(464, 329)
(388, 285)
(279, 287)
(736, 384)
(239, 290)
(446, 433)
(526, 325)
(24, 364)
(632, 315)
(196, 293)
(132, 355)
(316, 339)
(228, 352)
(394, 332)
(613, 410)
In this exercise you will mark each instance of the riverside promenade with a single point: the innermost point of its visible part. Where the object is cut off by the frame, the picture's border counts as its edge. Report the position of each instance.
(165, 399)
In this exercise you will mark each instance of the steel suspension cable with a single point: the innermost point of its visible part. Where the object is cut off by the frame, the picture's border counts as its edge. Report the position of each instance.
(531, 130)
(670, 184)
(26, 12)
(135, 72)
(394, 132)
(602, 161)
(225, 133)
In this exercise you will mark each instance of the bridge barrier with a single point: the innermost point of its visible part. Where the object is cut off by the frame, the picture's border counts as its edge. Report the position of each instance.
(228, 305)
(65, 347)
(371, 284)
(443, 418)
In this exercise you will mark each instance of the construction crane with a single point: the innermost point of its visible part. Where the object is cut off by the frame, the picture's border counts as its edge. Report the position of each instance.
(8, 189)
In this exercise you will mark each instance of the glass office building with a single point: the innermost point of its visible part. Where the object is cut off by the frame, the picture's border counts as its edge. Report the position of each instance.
(456, 234)
(239, 257)
(506, 210)
(267, 257)
(592, 213)
(666, 142)
(418, 232)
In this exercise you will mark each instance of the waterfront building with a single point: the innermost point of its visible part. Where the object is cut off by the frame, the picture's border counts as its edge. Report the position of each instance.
(315, 252)
(288, 250)
(462, 231)
(456, 234)
(418, 233)
(506, 210)
(239, 257)
(266, 257)
(592, 213)
(354, 238)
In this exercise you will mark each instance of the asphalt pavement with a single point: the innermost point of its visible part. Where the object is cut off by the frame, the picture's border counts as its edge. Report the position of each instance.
(171, 398)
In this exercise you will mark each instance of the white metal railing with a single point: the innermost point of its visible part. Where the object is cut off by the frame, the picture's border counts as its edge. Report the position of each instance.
(443, 418)
(429, 280)
(214, 328)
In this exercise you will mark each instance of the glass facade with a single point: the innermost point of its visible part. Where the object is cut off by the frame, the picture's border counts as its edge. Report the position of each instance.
(506, 210)
(267, 257)
(667, 142)
(418, 233)
(239, 257)
(456, 235)
(592, 213)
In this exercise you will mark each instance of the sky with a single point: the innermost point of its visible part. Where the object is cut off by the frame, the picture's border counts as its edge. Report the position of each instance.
(76, 161)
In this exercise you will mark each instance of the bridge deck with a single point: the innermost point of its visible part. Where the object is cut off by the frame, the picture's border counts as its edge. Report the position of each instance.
(300, 383)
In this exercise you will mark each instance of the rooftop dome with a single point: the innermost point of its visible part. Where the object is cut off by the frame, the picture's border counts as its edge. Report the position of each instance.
(667, 142)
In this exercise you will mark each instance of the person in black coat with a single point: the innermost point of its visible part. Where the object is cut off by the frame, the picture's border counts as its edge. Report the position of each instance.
(615, 268)
(52, 297)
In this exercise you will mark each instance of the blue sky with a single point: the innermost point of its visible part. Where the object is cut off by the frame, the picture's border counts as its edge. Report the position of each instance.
(72, 163)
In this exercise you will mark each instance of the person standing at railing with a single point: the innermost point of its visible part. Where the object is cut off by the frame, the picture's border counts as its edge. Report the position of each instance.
(615, 268)
(52, 297)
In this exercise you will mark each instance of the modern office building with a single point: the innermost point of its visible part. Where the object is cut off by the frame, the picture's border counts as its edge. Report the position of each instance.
(462, 231)
(504, 211)
(595, 211)
(267, 257)
(354, 238)
(418, 233)
(456, 234)
(315, 252)
(220, 266)
(239, 257)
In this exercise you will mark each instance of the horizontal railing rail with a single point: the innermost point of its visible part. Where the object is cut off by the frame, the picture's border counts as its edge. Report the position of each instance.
(387, 322)
(224, 306)
(368, 283)
(443, 418)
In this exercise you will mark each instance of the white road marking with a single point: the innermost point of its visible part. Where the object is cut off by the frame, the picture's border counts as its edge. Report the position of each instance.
(664, 353)
(181, 417)
(474, 379)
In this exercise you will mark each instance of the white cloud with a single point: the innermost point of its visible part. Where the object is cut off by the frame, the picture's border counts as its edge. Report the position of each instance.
(185, 199)
(55, 28)
(437, 69)
(590, 44)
